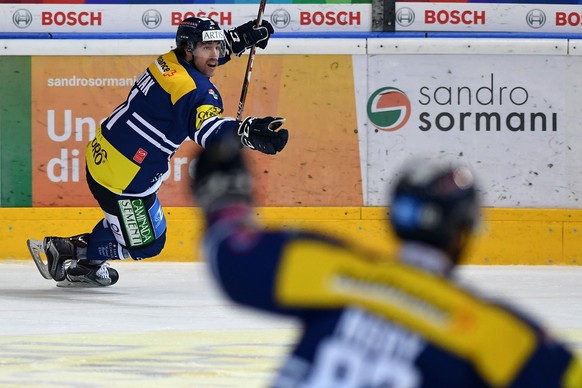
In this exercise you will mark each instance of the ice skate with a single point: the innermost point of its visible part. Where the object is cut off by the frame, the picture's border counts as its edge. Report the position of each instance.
(58, 253)
(87, 273)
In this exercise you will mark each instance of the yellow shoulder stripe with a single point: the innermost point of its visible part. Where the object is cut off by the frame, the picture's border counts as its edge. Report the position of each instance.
(315, 274)
(573, 375)
(172, 76)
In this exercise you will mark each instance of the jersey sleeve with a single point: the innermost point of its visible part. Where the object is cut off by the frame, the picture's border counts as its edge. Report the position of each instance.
(213, 128)
(207, 124)
(246, 264)
(551, 364)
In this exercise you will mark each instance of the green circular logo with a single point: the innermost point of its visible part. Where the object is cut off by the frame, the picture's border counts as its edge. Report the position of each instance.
(388, 109)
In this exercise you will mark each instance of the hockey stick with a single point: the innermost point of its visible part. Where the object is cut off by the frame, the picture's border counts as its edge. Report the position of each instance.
(247, 79)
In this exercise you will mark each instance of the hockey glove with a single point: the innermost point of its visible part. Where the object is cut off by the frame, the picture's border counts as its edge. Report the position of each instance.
(247, 35)
(221, 178)
(263, 134)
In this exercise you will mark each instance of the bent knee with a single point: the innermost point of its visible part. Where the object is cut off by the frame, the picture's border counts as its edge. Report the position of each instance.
(151, 250)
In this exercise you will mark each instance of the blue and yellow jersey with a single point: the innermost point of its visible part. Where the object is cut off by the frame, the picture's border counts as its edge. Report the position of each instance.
(370, 324)
(171, 101)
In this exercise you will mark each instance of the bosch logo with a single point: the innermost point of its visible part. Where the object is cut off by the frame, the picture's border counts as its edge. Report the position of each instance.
(22, 18)
(573, 19)
(535, 18)
(330, 18)
(405, 17)
(60, 18)
(151, 19)
(280, 18)
(222, 18)
(454, 17)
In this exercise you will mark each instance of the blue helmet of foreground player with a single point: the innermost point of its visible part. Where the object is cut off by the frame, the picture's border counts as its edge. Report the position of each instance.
(435, 203)
(200, 29)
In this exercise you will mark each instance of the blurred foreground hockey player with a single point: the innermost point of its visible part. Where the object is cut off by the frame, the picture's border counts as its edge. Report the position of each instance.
(172, 100)
(368, 322)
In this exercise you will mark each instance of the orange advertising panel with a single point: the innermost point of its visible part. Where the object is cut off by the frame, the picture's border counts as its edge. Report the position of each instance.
(319, 167)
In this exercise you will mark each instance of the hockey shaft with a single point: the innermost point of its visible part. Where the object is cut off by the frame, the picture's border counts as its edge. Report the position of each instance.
(247, 79)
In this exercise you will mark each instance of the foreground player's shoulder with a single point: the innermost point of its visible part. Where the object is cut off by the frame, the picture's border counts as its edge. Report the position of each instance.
(172, 76)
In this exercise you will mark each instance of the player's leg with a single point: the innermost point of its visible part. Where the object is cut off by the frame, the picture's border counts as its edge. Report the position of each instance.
(134, 227)
(94, 269)
(67, 257)
(115, 238)
(67, 260)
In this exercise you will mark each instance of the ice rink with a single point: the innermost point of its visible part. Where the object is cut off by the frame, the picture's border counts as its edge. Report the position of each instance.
(166, 325)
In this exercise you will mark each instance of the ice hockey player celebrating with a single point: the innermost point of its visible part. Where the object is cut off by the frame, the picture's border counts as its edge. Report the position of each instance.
(172, 99)
(369, 322)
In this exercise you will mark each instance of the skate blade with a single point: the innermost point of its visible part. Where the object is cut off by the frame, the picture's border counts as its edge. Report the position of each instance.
(70, 284)
(37, 252)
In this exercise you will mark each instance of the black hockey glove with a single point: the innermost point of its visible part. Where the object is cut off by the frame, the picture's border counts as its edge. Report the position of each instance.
(247, 35)
(221, 178)
(263, 134)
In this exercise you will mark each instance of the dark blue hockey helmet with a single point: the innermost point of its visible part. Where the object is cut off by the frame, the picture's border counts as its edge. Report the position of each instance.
(435, 203)
(199, 29)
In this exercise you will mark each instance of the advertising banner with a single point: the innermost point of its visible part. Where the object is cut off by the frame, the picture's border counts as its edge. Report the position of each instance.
(488, 17)
(514, 119)
(320, 166)
(163, 18)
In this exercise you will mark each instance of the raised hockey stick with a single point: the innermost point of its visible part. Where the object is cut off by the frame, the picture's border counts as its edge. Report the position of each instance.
(247, 79)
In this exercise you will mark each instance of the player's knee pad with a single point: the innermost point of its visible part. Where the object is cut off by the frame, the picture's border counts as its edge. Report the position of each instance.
(151, 250)
(104, 246)
(139, 226)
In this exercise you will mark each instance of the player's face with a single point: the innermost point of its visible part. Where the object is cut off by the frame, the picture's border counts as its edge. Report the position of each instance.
(206, 57)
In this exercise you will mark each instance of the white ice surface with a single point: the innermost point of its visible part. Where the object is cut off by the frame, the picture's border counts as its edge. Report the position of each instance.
(166, 325)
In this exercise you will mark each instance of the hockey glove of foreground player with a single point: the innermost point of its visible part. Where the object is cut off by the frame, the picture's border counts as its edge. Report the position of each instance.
(221, 179)
(247, 35)
(263, 134)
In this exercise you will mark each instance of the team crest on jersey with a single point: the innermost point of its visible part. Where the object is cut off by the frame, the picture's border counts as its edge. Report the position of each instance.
(140, 155)
(213, 93)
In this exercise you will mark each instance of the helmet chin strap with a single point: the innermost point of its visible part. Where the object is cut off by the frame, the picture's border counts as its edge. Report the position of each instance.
(188, 57)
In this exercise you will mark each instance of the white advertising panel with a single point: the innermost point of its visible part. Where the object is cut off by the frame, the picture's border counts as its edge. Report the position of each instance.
(487, 17)
(111, 18)
(513, 118)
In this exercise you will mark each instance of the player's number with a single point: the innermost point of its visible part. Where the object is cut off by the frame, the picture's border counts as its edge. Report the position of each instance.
(122, 109)
(340, 364)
